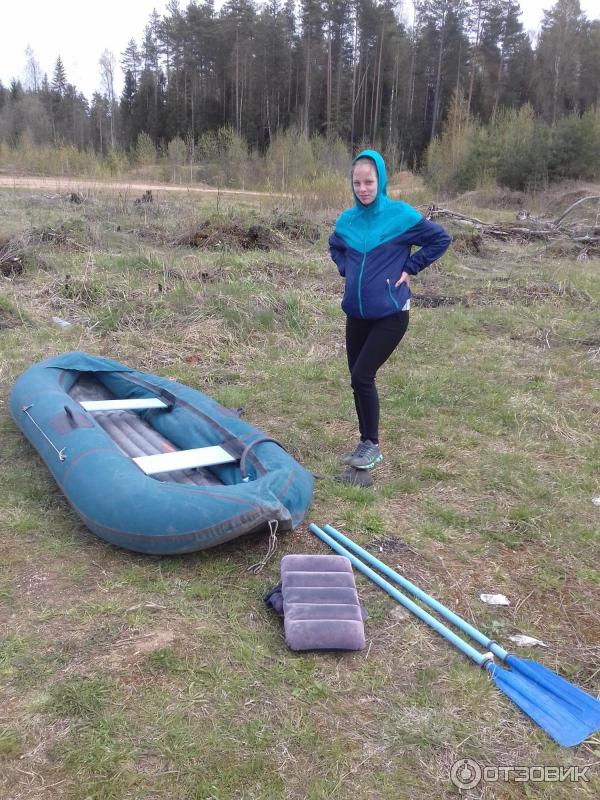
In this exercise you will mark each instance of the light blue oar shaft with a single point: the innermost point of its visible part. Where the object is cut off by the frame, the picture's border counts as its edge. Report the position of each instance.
(437, 626)
(479, 637)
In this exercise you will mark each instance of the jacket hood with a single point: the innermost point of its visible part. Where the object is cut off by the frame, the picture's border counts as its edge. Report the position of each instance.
(377, 159)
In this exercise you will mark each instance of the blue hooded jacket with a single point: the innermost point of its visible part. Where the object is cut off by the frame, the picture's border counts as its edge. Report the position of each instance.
(371, 246)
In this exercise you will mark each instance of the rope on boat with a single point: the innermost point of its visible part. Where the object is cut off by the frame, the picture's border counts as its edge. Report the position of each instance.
(260, 565)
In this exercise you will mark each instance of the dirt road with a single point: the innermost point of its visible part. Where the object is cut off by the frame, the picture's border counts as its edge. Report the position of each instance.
(71, 184)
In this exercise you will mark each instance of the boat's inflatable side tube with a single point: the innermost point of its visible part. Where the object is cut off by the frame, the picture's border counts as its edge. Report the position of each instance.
(121, 504)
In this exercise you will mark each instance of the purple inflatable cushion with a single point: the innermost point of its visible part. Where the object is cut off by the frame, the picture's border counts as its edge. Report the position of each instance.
(320, 604)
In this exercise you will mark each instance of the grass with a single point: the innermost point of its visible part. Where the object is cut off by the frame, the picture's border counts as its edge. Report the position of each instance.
(127, 677)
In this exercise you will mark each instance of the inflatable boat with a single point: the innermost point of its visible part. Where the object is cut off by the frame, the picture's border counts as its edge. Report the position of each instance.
(151, 465)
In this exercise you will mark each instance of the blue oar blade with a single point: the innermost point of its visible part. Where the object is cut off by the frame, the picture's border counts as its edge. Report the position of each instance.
(582, 705)
(566, 713)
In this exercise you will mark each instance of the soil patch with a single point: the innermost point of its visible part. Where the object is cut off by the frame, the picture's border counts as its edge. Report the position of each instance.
(528, 294)
(8, 319)
(11, 257)
(393, 545)
(219, 235)
(11, 266)
(128, 650)
(431, 300)
(296, 226)
(202, 276)
(65, 235)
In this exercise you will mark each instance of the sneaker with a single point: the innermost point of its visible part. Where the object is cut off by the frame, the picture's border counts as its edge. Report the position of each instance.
(349, 456)
(366, 455)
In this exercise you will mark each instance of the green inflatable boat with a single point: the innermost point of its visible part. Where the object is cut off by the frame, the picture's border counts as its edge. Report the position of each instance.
(152, 465)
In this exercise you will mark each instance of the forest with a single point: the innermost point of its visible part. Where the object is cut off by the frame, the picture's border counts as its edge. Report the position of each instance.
(353, 72)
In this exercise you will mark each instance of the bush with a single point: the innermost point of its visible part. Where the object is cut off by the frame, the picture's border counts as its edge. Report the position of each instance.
(28, 157)
(574, 149)
(115, 163)
(479, 167)
(289, 160)
(517, 150)
(512, 151)
(293, 161)
(224, 159)
(145, 151)
(447, 153)
(176, 153)
(522, 142)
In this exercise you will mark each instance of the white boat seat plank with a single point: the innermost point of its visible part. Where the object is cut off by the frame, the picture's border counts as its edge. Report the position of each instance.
(184, 459)
(133, 404)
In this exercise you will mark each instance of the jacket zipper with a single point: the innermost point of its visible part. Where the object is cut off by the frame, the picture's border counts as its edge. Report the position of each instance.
(360, 276)
(392, 298)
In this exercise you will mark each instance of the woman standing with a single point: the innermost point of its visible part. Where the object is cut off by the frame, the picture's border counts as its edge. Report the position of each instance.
(371, 246)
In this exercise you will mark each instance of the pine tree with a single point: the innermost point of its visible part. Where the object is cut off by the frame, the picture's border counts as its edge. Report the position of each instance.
(16, 91)
(126, 109)
(151, 78)
(313, 63)
(516, 89)
(557, 59)
(238, 26)
(444, 22)
(589, 78)
(478, 20)
(131, 59)
(501, 37)
(272, 70)
(59, 78)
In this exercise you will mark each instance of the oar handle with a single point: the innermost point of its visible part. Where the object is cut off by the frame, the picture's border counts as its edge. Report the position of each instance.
(461, 623)
(479, 658)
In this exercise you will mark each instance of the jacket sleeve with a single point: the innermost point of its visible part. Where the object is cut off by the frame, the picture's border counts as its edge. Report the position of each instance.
(432, 240)
(337, 251)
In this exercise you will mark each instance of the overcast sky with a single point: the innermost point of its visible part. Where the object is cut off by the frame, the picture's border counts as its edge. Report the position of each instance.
(80, 30)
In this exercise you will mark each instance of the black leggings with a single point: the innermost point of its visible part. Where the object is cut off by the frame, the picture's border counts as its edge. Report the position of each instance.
(369, 344)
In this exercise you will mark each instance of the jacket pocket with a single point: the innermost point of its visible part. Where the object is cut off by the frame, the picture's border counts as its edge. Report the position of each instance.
(391, 294)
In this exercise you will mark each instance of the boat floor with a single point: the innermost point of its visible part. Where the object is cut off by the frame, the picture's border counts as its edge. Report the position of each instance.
(133, 436)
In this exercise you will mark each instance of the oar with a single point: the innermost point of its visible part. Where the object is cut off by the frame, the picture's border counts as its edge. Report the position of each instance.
(567, 714)
(578, 703)
(479, 637)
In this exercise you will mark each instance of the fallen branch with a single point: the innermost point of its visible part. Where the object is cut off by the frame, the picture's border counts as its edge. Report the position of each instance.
(574, 205)
(435, 211)
(534, 228)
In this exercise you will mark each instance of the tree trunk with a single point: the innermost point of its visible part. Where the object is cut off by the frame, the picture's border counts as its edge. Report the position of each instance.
(306, 88)
(476, 45)
(377, 89)
(438, 80)
(555, 88)
(354, 65)
(329, 75)
(237, 83)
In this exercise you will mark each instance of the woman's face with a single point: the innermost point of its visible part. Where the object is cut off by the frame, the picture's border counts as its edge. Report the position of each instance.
(364, 181)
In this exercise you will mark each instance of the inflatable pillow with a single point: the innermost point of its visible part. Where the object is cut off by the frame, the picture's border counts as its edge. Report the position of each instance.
(321, 610)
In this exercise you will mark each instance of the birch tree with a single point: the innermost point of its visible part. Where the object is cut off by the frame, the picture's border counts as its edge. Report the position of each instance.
(107, 73)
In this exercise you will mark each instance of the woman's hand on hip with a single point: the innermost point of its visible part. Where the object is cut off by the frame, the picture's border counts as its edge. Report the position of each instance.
(404, 278)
